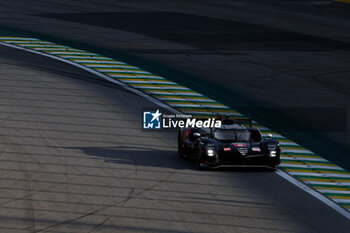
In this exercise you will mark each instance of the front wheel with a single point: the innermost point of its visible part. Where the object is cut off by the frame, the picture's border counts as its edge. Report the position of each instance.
(273, 166)
(197, 159)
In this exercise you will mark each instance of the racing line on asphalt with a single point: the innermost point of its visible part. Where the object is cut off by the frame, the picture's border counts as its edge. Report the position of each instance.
(300, 166)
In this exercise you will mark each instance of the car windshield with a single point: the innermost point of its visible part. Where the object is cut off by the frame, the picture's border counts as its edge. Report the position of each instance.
(237, 135)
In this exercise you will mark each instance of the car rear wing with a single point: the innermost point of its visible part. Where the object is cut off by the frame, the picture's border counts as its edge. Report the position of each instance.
(227, 120)
(242, 121)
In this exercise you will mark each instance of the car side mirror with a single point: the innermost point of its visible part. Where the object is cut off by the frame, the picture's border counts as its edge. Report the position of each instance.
(196, 135)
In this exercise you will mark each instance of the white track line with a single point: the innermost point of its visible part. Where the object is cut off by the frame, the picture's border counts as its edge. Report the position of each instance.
(313, 192)
(282, 174)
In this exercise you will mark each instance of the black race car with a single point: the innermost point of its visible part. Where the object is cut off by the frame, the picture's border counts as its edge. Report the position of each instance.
(231, 145)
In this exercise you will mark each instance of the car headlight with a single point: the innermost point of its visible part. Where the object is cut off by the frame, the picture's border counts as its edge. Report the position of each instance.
(210, 152)
(273, 153)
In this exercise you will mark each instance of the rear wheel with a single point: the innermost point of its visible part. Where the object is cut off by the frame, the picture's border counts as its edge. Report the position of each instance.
(180, 150)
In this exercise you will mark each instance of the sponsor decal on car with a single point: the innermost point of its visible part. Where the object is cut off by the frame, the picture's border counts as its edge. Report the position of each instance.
(240, 145)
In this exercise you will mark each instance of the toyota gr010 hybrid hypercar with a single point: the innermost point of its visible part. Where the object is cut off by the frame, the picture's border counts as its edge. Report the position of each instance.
(232, 144)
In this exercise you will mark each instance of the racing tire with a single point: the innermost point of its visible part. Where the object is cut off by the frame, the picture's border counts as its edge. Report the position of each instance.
(272, 166)
(180, 151)
(197, 159)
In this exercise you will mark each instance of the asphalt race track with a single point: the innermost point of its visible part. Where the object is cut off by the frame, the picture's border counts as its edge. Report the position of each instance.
(73, 156)
(73, 159)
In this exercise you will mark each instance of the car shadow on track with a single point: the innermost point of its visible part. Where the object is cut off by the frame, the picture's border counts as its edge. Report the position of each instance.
(142, 156)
